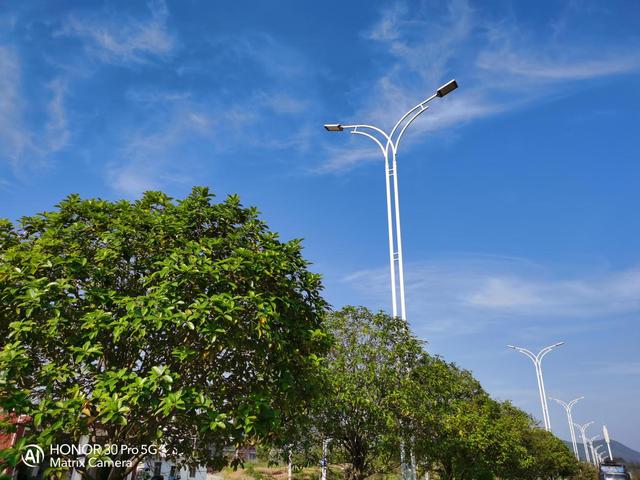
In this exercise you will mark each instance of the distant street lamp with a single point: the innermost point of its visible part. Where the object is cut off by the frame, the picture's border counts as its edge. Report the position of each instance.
(537, 362)
(568, 407)
(389, 144)
(583, 433)
(593, 451)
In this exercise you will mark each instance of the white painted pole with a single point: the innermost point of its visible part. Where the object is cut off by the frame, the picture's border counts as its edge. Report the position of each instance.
(537, 363)
(568, 407)
(392, 259)
(393, 202)
(75, 474)
(543, 394)
(325, 444)
(583, 430)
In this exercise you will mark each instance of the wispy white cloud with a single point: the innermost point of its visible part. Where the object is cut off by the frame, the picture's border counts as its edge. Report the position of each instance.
(124, 39)
(554, 70)
(14, 137)
(631, 369)
(468, 294)
(344, 158)
(150, 157)
(22, 143)
(57, 130)
(283, 103)
(152, 96)
(498, 63)
(184, 122)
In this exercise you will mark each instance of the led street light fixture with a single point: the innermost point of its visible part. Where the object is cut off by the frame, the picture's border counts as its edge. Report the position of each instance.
(448, 87)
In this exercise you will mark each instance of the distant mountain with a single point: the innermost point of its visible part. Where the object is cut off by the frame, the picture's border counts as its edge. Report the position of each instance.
(618, 450)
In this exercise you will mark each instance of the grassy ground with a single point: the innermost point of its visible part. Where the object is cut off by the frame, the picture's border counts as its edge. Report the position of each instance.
(260, 471)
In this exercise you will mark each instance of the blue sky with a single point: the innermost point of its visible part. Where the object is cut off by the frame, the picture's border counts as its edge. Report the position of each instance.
(519, 191)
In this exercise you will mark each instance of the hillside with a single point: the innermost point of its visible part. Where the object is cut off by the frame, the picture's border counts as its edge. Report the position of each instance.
(618, 449)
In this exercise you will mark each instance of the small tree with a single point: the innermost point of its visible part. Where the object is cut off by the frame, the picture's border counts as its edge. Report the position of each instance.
(552, 457)
(186, 324)
(371, 355)
(460, 432)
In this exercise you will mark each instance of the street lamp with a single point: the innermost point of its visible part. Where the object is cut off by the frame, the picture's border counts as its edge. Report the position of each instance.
(389, 143)
(598, 452)
(567, 408)
(583, 432)
(593, 452)
(537, 362)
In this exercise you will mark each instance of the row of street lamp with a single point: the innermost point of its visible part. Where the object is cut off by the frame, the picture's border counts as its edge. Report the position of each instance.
(389, 144)
(590, 453)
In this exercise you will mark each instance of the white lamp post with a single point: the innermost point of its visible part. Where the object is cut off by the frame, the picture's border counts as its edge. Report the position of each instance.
(572, 431)
(583, 433)
(537, 362)
(389, 144)
(598, 452)
(593, 451)
(325, 444)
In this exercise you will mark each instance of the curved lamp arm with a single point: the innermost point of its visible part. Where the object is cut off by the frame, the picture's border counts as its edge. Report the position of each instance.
(528, 353)
(574, 401)
(566, 406)
(355, 129)
(546, 350)
(424, 108)
(384, 151)
(583, 428)
(448, 87)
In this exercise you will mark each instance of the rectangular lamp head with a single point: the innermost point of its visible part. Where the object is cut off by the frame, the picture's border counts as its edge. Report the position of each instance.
(333, 127)
(448, 87)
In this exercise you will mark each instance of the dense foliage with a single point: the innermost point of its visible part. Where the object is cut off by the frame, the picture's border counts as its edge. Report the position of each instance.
(371, 356)
(186, 324)
(386, 391)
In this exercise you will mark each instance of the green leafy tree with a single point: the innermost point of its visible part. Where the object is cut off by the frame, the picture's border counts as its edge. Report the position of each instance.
(551, 457)
(586, 471)
(372, 353)
(461, 433)
(448, 409)
(185, 324)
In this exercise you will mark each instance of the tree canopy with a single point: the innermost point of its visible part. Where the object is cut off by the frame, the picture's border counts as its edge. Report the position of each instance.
(387, 391)
(371, 355)
(183, 323)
